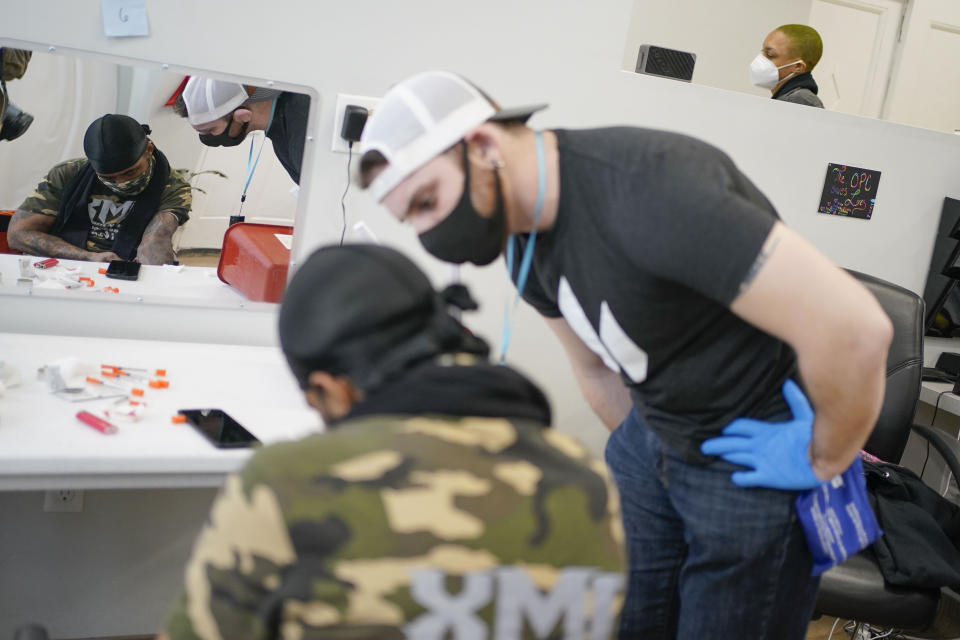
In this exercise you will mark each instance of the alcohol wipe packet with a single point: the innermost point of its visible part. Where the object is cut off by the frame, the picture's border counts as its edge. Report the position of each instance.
(837, 519)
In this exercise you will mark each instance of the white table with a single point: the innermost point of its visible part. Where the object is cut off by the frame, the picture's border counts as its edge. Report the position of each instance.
(113, 568)
(193, 284)
(44, 446)
(157, 306)
(938, 394)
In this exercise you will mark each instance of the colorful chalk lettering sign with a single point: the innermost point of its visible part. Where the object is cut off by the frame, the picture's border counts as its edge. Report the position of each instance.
(849, 191)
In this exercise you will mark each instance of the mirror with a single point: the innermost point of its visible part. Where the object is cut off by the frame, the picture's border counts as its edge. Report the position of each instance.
(65, 93)
(888, 59)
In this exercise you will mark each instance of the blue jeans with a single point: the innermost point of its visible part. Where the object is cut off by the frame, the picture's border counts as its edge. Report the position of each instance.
(708, 559)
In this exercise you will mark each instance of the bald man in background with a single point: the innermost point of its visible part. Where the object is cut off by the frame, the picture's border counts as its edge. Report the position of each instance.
(785, 62)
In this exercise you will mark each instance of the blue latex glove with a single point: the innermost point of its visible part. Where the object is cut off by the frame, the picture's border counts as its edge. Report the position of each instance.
(776, 452)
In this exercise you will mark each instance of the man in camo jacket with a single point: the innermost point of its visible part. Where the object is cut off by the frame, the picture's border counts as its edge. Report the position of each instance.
(438, 504)
(122, 201)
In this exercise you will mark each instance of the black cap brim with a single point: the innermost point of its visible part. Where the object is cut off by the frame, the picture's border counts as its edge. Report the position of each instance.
(517, 114)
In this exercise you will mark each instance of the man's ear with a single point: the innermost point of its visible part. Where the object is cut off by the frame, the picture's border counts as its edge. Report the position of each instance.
(150, 147)
(334, 396)
(484, 144)
(242, 114)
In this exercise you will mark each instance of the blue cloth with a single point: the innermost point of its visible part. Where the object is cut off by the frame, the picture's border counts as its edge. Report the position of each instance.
(837, 518)
(708, 559)
(776, 454)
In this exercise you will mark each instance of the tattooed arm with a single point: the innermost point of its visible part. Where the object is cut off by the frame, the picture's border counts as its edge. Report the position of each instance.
(156, 246)
(29, 232)
(839, 332)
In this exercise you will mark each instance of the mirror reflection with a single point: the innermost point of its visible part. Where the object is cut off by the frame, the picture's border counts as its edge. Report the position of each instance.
(102, 161)
(880, 58)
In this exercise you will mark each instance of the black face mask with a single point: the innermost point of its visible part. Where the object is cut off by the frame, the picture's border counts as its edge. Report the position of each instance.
(465, 235)
(224, 139)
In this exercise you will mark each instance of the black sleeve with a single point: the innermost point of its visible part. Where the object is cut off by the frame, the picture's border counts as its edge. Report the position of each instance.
(693, 223)
(534, 293)
(535, 296)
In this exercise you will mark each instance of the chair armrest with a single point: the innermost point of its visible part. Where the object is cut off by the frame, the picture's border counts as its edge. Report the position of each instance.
(946, 446)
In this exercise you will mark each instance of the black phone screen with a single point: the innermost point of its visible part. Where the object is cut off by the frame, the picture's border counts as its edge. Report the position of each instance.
(219, 428)
(123, 270)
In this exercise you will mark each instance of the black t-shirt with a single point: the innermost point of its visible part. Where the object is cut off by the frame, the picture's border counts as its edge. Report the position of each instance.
(654, 235)
(288, 131)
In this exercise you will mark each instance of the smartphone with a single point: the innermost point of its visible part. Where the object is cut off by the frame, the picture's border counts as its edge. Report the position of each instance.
(123, 270)
(219, 428)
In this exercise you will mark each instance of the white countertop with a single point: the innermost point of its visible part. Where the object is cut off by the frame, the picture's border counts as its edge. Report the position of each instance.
(938, 394)
(190, 285)
(44, 446)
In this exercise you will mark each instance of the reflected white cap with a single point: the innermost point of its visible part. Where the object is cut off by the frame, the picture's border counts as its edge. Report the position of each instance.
(207, 99)
(423, 116)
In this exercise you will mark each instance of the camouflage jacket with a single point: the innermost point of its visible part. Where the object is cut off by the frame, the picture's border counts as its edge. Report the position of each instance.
(107, 209)
(14, 62)
(393, 527)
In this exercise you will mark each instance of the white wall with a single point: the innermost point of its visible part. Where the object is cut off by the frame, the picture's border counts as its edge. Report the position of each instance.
(111, 570)
(86, 89)
(725, 36)
(567, 52)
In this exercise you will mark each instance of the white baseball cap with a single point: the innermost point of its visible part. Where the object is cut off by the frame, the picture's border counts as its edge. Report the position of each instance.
(423, 116)
(207, 99)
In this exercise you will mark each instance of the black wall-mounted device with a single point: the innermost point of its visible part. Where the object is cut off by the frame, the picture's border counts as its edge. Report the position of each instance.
(666, 63)
(354, 118)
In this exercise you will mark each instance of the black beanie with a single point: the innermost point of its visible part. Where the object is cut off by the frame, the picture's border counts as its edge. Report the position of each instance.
(367, 312)
(114, 142)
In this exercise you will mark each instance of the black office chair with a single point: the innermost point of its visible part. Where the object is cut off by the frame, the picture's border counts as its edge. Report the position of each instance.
(856, 590)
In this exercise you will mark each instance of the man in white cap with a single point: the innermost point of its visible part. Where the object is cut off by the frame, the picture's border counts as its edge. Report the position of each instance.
(225, 112)
(685, 306)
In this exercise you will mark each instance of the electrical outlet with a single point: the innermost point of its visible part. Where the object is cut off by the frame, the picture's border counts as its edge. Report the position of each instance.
(343, 99)
(63, 501)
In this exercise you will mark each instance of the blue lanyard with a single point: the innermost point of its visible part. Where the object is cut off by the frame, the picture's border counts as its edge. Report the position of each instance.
(527, 251)
(251, 163)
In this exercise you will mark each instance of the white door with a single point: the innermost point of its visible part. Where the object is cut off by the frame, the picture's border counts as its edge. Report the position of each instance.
(859, 42)
(269, 198)
(926, 89)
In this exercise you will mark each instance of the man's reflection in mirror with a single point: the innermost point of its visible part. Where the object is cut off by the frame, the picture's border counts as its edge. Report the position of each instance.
(225, 112)
(788, 55)
(121, 202)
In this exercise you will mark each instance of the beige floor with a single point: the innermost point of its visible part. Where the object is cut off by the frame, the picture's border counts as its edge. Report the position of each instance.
(820, 630)
(194, 258)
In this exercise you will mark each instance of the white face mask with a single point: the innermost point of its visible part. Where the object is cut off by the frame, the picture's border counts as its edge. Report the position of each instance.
(764, 74)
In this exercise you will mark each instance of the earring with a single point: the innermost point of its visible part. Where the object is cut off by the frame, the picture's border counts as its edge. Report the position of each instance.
(499, 164)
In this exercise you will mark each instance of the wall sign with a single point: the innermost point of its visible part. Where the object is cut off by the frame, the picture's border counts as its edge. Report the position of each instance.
(124, 18)
(849, 191)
